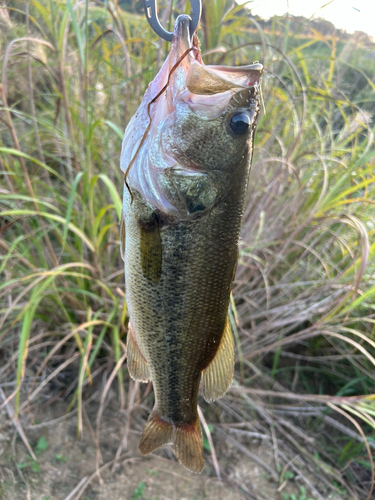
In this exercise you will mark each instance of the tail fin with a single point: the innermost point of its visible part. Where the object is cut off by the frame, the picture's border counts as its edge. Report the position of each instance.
(186, 440)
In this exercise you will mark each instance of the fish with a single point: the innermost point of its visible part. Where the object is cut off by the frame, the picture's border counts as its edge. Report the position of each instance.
(186, 157)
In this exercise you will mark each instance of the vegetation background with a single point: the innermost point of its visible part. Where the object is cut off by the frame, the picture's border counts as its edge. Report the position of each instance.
(73, 73)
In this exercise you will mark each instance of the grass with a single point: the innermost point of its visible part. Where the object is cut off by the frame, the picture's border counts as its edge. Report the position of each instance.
(302, 308)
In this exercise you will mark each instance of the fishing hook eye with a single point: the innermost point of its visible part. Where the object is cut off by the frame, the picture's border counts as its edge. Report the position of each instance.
(154, 22)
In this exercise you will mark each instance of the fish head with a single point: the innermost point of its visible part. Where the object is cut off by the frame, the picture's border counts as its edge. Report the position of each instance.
(195, 127)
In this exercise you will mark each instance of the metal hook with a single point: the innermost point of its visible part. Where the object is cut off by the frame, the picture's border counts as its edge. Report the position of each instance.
(152, 18)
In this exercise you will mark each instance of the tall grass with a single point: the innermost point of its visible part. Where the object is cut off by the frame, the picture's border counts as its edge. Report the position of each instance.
(73, 73)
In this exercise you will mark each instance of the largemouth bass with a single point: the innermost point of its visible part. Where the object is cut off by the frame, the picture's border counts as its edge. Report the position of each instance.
(187, 157)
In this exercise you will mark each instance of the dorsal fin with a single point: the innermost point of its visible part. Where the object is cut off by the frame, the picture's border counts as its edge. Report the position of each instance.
(218, 375)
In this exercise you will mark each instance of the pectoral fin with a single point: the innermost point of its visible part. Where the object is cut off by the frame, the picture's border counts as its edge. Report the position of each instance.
(218, 376)
(151, 251)
(137, 365)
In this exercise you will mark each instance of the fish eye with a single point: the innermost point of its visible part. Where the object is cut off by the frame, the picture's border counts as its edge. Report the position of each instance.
(239, 123)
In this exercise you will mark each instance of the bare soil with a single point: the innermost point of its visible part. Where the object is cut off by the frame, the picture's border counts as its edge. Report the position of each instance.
(64, 461)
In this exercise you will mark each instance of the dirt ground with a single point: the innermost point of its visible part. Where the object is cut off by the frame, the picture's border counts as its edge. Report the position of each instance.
(66, 465)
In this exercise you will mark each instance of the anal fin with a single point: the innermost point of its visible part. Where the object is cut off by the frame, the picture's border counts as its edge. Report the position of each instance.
(186, 440)
(218, 376)
(137, 365)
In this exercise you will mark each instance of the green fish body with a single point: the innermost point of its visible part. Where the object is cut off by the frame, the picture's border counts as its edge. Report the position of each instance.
(181, 223)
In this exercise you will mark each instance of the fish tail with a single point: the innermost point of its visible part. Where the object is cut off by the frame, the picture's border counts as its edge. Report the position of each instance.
(186, 440)
(156, 433)
(188, 446)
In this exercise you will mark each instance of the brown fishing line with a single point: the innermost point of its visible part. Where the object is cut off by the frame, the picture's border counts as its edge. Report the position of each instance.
(175, 66)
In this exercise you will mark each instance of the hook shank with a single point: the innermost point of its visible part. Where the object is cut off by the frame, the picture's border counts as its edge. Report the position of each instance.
(154, 22)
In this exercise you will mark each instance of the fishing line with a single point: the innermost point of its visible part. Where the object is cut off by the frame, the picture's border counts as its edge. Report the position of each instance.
(175, 66)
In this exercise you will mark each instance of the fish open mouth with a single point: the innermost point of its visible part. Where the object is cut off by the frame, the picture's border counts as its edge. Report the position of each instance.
(184, 70)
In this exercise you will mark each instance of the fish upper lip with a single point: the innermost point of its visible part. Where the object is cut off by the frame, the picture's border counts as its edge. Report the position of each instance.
(230, 76)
